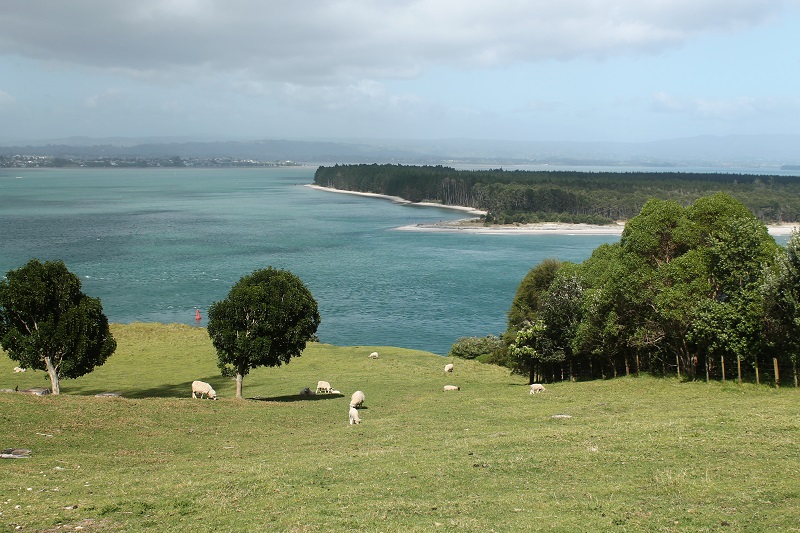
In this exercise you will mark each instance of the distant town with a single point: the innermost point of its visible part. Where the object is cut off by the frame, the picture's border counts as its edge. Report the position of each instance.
(48, 161)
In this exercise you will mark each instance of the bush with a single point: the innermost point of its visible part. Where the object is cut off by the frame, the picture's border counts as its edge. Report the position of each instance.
(477, 347)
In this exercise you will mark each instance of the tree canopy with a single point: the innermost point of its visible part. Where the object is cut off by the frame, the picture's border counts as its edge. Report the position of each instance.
(47, 323)
(598, 197)
(685, 288)
(266, 319)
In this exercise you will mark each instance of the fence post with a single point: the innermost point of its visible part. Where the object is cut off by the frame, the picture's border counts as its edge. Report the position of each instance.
(777, 376)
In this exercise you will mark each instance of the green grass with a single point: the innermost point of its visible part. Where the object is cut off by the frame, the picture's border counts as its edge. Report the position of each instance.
(637, 454)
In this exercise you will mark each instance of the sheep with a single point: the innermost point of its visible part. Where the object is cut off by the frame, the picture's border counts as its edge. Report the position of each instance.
(373, 355)
(451, 387)
(203, 389)
(19, 369)
(537, 387)
(448, 367)
(305, 391)
(323, 387)
(357, 399)
(354, 416)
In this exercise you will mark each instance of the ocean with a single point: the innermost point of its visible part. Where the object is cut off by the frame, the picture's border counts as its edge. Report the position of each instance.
(155, 245)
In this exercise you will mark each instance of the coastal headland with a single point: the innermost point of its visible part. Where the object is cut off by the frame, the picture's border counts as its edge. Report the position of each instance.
(474, 225)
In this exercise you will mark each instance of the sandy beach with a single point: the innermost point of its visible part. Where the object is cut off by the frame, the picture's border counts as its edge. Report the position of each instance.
(471, 225)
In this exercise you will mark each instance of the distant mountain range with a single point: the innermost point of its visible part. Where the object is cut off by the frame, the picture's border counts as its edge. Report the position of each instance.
(734, 150)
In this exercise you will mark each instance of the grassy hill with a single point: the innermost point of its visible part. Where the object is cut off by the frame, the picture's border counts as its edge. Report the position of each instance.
(635, 454)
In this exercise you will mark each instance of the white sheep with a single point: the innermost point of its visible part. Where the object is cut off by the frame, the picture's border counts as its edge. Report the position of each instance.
(448, 367)
(323, 387)
(373, 355)
(451, 387)
(19, 369)
(537, 387)
(354, 416)
(203, 389)
(357, 399)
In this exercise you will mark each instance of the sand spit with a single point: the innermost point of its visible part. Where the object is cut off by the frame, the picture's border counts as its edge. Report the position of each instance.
(542, 228)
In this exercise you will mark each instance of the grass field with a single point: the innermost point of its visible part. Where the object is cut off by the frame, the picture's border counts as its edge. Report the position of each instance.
(635, 454)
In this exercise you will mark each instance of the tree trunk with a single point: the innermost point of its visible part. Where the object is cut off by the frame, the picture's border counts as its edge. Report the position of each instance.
(239, 378)
(758, 377)
(678, 364)
(794, 364)
(722, 364)
(532, 374)
(55, 388)
(627, 365)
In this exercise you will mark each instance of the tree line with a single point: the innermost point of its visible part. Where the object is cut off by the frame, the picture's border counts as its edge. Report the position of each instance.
(521, 196)
(702, 291)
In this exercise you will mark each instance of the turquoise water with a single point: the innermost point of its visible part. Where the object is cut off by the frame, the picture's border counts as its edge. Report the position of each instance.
(154, 245)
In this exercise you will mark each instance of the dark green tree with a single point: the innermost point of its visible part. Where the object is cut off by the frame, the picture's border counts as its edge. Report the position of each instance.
(267, 318)
(781, 294)
(47, 323)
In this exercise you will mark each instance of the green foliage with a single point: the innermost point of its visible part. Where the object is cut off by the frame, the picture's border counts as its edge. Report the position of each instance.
(476, 347)
(519, 197)
(534, 285)
(781, 299)
(266, 319)
(683, 289)
(47, 323)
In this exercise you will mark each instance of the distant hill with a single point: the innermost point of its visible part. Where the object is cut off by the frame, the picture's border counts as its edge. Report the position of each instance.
(709, 151)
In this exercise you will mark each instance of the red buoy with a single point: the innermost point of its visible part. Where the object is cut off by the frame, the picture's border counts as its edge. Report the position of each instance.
(197, 315)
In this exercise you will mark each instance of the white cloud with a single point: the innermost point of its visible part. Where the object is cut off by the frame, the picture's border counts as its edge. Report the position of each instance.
(338, 41)
(107, 97)
(6, 99)
(734, 108)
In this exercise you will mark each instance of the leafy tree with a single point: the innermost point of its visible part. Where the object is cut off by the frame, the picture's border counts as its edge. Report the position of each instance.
(781, 294)
(526, 303)
(267, 318)
(47, 323)
(524, 348)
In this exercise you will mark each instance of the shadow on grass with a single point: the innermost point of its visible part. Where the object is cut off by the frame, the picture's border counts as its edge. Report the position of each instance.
(165, 390)
(297, 398)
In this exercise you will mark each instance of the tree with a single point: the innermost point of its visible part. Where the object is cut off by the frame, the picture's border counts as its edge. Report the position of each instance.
(533, 286)
(781, 294)
(523, 349)
(47, 323)
(266, 320)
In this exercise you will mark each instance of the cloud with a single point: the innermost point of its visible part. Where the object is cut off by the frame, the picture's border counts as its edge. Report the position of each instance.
(326, 42)
(733, 108)
(108, 97)
(6, 99)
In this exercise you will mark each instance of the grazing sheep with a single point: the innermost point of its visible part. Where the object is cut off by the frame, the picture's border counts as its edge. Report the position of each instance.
(19, 369)
(448, 367)
(323, 387)
(373, 355)
(36, 391)
(354, 416)
(451, 387)
(537, 387)
(357, 399)
(203, 389)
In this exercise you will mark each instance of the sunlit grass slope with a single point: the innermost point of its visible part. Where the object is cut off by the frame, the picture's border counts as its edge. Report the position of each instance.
(635, 454)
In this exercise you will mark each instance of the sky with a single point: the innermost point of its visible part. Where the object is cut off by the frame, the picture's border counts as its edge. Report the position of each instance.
(531, 70)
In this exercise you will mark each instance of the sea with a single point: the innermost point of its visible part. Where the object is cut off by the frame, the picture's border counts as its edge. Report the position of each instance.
(158, 245)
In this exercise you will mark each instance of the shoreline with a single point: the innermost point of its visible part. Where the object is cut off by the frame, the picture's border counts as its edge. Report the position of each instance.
(540, 228)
